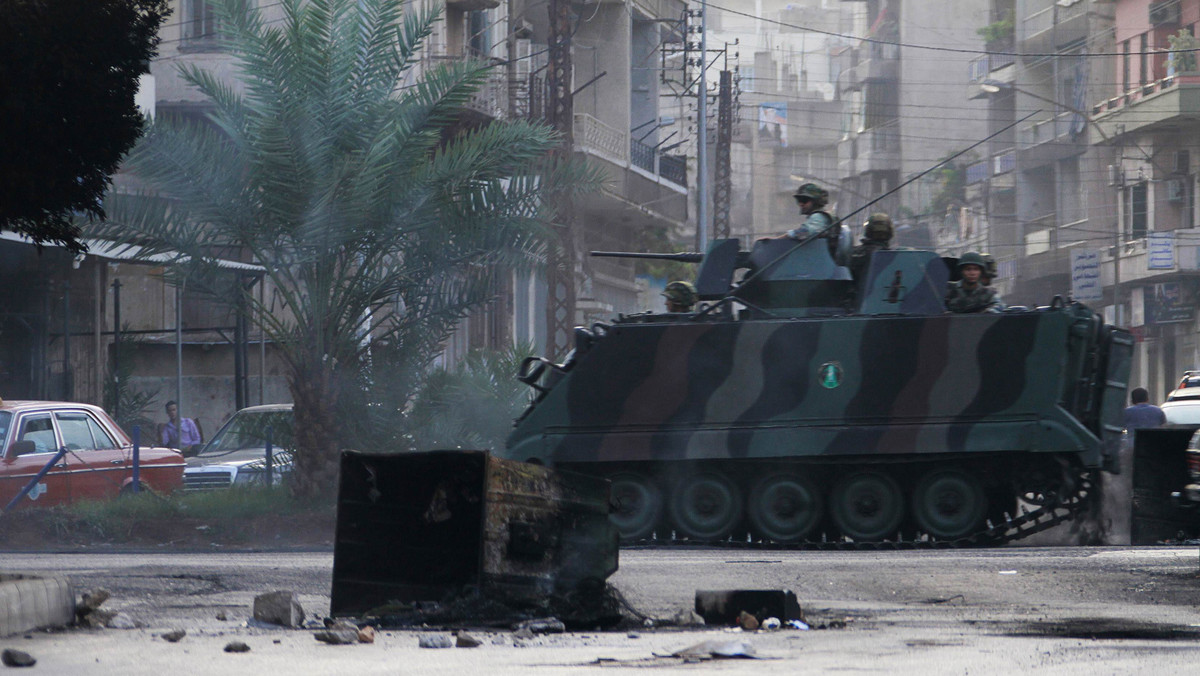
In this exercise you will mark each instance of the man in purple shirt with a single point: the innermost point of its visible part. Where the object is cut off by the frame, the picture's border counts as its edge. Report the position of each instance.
(183, 436)
(1142, 413)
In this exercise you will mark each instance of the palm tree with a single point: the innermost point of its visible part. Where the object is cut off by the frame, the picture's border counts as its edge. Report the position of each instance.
(339, 168)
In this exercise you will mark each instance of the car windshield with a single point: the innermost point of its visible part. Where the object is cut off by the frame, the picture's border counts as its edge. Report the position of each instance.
(1189, 393)
(247, 430)
(5, 421)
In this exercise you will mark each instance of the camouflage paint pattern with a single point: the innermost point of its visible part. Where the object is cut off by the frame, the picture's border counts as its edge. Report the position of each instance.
(896, 375)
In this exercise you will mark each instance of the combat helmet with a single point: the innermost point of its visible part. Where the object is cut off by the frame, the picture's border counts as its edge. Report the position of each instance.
(878, 227)
(682, 293)
(819, 195)
(972, 258)
(990, 269)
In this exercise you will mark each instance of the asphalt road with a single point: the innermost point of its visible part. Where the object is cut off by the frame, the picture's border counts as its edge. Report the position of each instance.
(1048, 610)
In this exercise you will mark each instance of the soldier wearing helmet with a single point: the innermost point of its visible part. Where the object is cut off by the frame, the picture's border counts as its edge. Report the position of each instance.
(990, 269)
(877, 234)
(681, 296)
(812, 199)
(970, 294)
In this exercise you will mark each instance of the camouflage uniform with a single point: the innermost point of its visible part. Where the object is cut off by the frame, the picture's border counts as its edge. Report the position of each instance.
(815, 224)
(979, 298)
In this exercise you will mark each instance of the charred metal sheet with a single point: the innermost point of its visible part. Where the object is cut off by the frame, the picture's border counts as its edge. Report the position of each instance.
(1159, 468)
(418, 526)
(723, 607)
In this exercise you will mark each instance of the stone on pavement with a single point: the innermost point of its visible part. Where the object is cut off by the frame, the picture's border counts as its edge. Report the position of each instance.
(278, 607)
(12, 657)
(435, 641)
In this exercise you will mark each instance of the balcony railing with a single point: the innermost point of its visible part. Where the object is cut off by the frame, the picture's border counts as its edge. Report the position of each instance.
(1052, 128)
(977, 172)
(883, 138)
(594, 134)
(1004, 162)
(621, 148)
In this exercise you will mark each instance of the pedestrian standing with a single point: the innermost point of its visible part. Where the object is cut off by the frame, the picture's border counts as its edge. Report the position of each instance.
(1141, 413)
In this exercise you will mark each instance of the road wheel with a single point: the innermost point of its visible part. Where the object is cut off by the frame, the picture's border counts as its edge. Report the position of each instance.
(867, 506)
(706, 507)
(637, 504)
(785, 507)
(949, 503)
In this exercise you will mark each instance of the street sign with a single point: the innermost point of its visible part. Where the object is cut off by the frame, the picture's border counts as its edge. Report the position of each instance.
(1085, 275)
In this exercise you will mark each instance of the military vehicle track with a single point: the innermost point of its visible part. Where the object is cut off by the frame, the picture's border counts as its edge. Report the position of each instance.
(1010, 530)
(1044, 512)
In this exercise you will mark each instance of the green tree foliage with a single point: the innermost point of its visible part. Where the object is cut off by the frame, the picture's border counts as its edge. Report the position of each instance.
(68, 74)
(998, 31)
(343, 171)
(472, 404)
(1183, 51)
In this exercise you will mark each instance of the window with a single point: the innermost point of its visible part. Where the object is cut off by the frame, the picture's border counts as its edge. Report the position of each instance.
(40, 430)
(1126, 85)
(1143, 58)
(81, 432)
(1136, 211)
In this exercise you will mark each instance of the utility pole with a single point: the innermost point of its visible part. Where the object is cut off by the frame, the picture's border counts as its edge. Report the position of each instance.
(702, 135)
(560, 113)
(723, 184)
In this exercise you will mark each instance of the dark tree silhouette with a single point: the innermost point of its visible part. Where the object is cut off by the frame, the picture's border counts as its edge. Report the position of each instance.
(68, 74)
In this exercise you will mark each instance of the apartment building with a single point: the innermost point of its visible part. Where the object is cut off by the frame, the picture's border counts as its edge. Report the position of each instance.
(60, 339)
(1148, 112)
(904, 113)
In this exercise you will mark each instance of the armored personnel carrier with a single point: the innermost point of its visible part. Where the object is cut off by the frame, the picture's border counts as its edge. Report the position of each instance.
(800, 405)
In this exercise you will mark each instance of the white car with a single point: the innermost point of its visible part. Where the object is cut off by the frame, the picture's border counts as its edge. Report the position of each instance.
(236, 454)
(1182, 406)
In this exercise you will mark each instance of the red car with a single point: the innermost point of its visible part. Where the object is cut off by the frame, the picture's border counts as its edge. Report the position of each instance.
(97, 465)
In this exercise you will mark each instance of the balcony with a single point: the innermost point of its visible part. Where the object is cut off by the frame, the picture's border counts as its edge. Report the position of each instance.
(992, 67)
(879, 148)
(1163, 103)
(876, 62)
(636, 173)
(1052, 27)
(1052, 138)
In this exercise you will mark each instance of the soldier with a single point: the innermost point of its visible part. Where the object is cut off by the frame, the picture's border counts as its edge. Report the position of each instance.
(990, 269)
(970, 294)
(681, 296)
(812, 199)
(877, 234)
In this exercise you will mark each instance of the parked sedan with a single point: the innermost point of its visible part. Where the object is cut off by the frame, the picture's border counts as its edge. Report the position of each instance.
(1182, 407)
(97, 463)
(237, 453)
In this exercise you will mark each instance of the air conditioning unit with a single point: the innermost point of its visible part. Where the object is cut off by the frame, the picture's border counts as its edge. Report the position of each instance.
(1183, 162)
(1165, 13)
(1176, 190)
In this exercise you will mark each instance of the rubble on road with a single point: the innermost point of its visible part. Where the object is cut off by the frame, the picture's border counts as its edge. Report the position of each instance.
(120, 621)
(236, 647)
(435, 641)
(12, 657)
(464, 640)
(718, 648)
(747, 608)
(278, 607)
(174, 636)
(88, 612)
(545, 625)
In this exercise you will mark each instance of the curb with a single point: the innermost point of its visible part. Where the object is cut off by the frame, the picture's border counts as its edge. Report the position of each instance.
(29, 602)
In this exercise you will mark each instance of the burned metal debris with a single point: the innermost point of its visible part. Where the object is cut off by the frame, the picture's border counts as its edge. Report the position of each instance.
(737, 606)
(449, 536)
